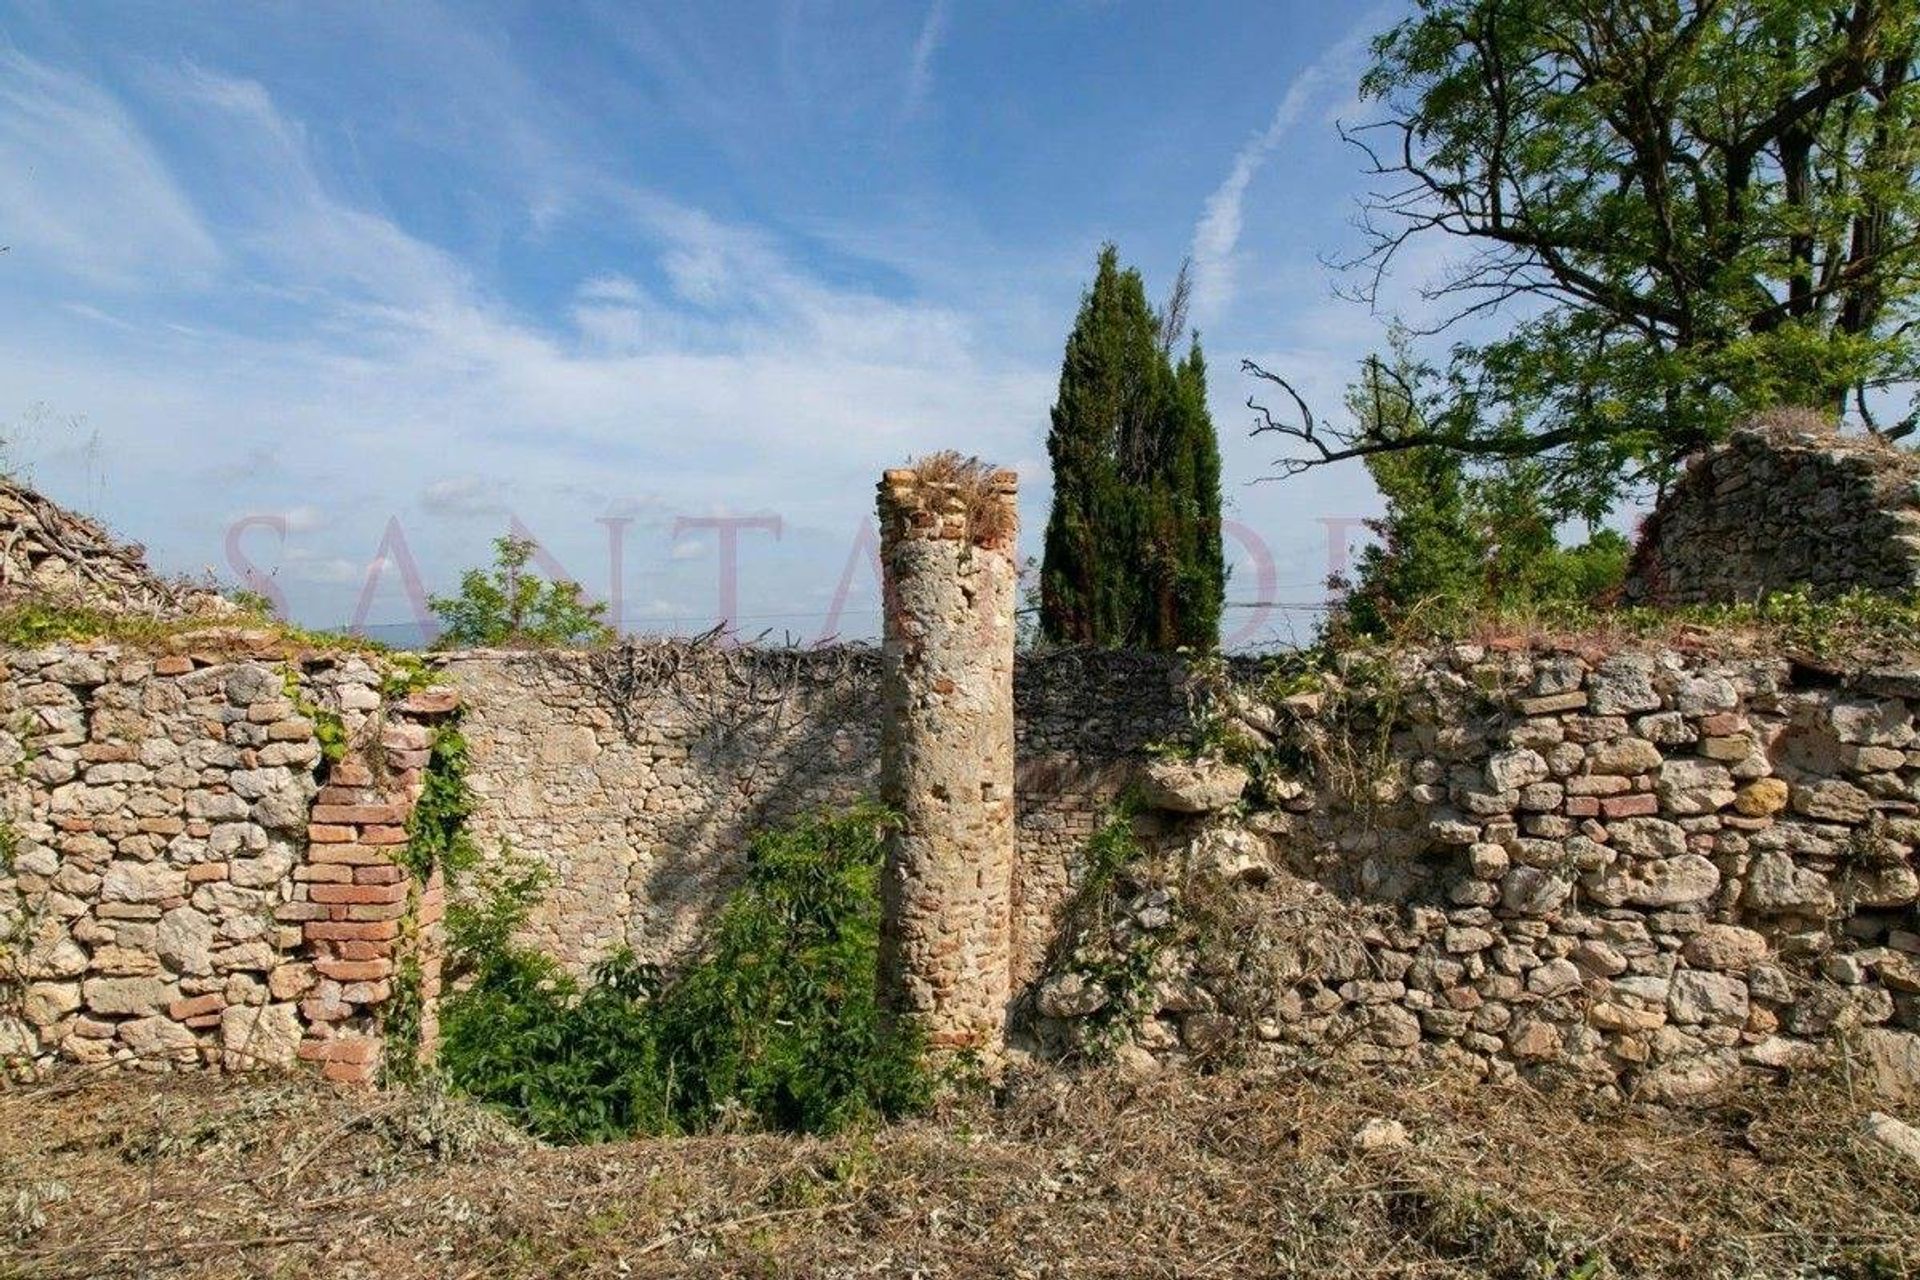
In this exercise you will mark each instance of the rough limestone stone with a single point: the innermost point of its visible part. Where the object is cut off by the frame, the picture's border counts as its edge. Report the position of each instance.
(1832, 800)
(1893, 1135)
(1623, 757)
(254, 1036)
(1234, 855)
(48, 1002)
(1691, 787)
(1196, 786)
(1381, 1134)
(1892, 1061)
(184, 941)
(1696, 996)
(1621, 685)
(1691, 1080)
(128, 995)
(1511, 770)
(142, 882)
(157, 1039)
(1761, 798)
(1531, 891)
(1725, 947)
(1775, 884)
(1645, 837)
(1669, 882)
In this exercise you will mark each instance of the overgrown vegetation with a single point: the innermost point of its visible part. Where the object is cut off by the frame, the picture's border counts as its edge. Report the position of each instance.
(510, 606)
(33, 623)
(1453, 537)
(1101, 1175)
(776, 1023)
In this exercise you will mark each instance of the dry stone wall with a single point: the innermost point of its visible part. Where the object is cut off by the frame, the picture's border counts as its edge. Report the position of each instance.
(171, 892)
(1776, 509)
(1642, 870)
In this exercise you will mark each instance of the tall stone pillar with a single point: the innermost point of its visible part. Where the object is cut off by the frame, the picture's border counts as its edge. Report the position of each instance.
(948, 531)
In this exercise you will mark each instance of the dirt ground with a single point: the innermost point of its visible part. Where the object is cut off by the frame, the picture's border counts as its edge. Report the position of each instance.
(1236, 1175)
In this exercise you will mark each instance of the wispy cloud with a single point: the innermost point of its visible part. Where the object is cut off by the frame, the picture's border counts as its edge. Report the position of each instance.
(933, 30)
(1216, 238)
(745, 378)
(86, 190)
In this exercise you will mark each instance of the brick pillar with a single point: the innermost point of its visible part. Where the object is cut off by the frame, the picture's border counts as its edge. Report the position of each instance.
(363, 913)
(947, 545)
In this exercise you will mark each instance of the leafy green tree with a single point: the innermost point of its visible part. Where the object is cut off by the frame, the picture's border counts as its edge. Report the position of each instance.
(1133, 554)
(1698, 208)
(1455, 540)
(511, 606)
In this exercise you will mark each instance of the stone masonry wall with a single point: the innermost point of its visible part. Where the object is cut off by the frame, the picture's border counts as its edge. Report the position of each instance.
(1644, 870)
(637, 776)
(160, 902)
(1776, 509)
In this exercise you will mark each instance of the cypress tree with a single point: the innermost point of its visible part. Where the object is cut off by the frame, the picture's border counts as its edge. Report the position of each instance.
(1133, 554)
(1109, 393)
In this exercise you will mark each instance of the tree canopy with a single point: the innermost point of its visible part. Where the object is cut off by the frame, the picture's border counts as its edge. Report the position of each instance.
(1689, 210)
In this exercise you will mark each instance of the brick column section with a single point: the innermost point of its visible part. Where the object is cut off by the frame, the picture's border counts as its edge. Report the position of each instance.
(948, 532)
(360, 909)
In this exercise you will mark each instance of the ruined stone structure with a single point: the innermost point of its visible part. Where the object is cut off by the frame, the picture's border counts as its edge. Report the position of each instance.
(1783, 506)
(191, 878)
(1639, 870)
(636, 775)
(1635, 869)
(947, 547)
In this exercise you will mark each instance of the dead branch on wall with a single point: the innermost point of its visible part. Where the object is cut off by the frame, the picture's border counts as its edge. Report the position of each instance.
(729, 693)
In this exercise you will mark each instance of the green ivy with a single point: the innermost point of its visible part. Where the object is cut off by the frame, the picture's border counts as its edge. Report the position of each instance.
(437, 830)
(328, 728)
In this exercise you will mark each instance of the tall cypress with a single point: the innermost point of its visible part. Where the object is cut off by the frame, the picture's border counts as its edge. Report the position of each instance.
(1132, 551)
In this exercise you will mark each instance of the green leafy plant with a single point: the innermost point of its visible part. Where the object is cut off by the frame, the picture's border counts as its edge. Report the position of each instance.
(329, 730)
(437, 829)
(511, 606)
(776, 1022)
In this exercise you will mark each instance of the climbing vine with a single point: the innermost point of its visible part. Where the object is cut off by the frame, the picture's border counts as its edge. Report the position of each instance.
(437, 838)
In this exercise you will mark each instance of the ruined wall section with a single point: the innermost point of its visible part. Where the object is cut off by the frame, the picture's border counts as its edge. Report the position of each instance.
(1775, 509)
(160, 904)
(636, 775)
(1640, 870)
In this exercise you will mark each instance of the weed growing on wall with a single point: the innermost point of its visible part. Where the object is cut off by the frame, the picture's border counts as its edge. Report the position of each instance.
(437, 829)
(437, 838)
(776, 1023)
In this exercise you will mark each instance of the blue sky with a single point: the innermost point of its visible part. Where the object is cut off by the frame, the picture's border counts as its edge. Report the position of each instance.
(283, 279)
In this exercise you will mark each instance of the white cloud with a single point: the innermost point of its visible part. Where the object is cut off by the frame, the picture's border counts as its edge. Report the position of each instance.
(755, 385)
(463, 497)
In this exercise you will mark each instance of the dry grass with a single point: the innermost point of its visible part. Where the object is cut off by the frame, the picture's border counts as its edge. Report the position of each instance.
(990, 518)
(1225, 1176)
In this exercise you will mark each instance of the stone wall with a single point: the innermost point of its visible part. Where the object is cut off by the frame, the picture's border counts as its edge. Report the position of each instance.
(1776, 509)
(1643, 870)
(637, 775)
(160, 901)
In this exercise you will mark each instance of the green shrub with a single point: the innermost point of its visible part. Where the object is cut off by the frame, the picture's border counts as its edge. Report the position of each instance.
(776, 1022)
(512, 606)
